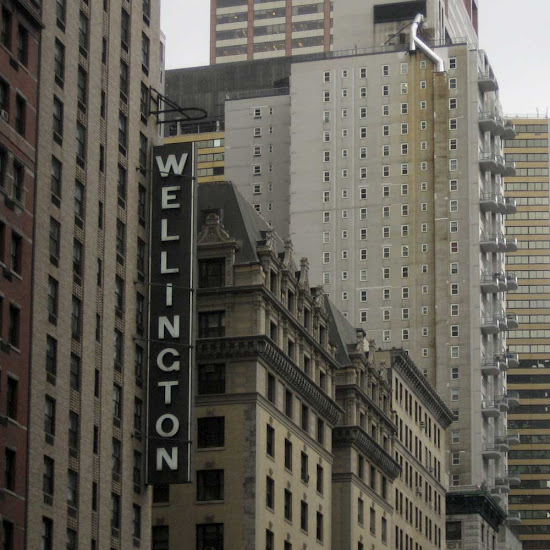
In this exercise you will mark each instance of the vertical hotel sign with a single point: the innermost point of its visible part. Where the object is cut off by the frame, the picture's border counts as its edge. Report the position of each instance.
(171, 311)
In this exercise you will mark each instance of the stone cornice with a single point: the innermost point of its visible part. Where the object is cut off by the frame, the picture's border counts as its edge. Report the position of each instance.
(280, 306)
(355, 435)
(355, 388)
(412, 375)
(475, 502)
(261, 346)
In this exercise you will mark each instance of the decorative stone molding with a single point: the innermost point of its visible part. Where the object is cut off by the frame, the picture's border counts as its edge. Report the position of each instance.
(262, 347)
(355, 435)
(410, 372)
(213, 232)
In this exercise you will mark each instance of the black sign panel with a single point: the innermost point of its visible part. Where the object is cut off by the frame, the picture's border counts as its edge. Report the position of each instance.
(171, 312)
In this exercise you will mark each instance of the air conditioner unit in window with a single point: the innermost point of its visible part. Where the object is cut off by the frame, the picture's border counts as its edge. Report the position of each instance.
(5, 115)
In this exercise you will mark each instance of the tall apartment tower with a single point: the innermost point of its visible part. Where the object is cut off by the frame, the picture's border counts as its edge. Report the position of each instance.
(243, 30)
(19, 70)
(86, 490)
(530, 301)
(392, 178)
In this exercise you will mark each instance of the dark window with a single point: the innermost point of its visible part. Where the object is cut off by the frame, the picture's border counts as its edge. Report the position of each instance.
(4, 96)
(79, 199)
(117, 401)
(136, 474)
(305, 418)
(20, 115)
(120, 238)
(212, 324)
(47, 534)
(141, 256)
(9, 469)
(123, 131)
(51, 355)
(373, 478)
(269, 492)
(147, 8)
(13, 334)
(304, 475)
(122, 185)
(140, 312)
(212, 273)
(77, 257)
(320, 479)
(55, 234)
(48, 475)
(142, 150)
(115, 511)
(289, 401)
(76, 318)
(82, 86)
(211, 432)
(124, 29)
(74, 429)
(57, 118)
(288, 505)
(116, 456)
(161, 493)
(22, 45)
(18, 181)
(56, 176)
(288, 454)
(138, 414)
(53, 293)
(269, 540)
(145, 50)
(60, 10)
(72, 488)
(80, 140)
(49, 415)
(75, 372)
(211, 379)
(59, 61)
(11, 397)
(83, 31)
(119, 349)
(136, 521)
(320, 431)
(6, 28)
(72, 539)
(303, 516)
(144, 101)
(271, 387)
(360, 511)
(139, 361)
(16, 252)
(210, 536)
(160, 537)
(210, 485)
(270, 441)
(454, 530)
(142, 204)
(119, 294)
(319, 529)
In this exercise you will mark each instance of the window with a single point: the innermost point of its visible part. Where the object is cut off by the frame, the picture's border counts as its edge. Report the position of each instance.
(76, 318)
(211, 432)
(363, 132)
(49, 415)
(20, 115)
(210, 485)
(288, 505)
(319, 527)
(48, 476)
(404, 108)
(453, 103)
(74, 374)
(6, 28)
(453, 123)
(161, 537)
(454, 352)
(47, 534)
(209, 536)
(59, 62)
(326, 96)
(72, 488)
(289, 402)
(145, 50)
(269, 540)
(385, 90)
(363, 112)
(404, 128)
(80, 141)
(13, 328)
(455, 310)
(303, 516)
(22, 45)
(16, 252)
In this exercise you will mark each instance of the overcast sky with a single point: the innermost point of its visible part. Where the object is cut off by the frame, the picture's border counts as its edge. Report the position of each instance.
(516, 35)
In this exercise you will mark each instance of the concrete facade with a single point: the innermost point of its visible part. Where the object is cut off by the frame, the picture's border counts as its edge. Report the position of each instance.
(19, 82)
(89, 321)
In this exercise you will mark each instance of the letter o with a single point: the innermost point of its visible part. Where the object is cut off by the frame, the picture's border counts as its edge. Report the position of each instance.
(175, 425)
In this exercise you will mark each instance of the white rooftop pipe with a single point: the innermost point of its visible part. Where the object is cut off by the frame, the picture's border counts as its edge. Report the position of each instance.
(415, 41)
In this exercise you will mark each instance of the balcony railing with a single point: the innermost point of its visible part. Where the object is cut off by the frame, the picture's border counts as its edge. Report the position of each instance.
(491, 452)
(487, 82)
(490, 409)
(511, 281)
(511, 206)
